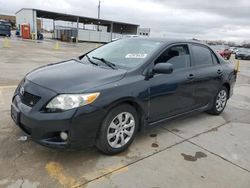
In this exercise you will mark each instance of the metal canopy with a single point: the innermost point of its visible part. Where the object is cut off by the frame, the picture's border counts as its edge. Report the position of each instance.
(125, 27)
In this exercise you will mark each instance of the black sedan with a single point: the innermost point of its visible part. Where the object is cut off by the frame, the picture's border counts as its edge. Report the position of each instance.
(106, 96)
(243, 54)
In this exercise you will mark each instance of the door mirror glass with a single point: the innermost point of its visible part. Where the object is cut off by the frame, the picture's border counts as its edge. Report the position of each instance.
(163, 68)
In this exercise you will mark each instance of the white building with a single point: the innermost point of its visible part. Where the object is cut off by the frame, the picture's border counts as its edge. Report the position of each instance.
(143, 31)
(27, 16)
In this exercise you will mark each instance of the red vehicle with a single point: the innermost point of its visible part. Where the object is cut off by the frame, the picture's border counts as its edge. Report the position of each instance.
(223, 51)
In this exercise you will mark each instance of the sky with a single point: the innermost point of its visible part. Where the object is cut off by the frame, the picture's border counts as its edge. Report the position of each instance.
(202, 19)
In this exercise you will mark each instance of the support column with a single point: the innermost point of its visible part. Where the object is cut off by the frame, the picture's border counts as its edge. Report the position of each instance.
(111, 31)
(54, 31)
(77, 29)
(34, 24)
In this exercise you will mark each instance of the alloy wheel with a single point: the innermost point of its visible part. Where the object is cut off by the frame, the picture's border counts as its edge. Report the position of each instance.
(121, 130)
(221, 100)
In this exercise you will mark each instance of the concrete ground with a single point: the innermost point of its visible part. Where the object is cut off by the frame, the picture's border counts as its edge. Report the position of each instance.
(199, 151)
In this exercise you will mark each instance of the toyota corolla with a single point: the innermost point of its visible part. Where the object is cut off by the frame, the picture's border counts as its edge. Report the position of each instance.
(106, 96)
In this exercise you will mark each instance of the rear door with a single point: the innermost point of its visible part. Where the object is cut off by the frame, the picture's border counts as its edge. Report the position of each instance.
(208, 74)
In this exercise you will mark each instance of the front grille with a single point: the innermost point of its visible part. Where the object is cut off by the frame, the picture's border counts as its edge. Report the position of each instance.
(29, 99)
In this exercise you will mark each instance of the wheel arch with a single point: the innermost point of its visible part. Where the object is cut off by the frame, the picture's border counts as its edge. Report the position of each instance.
(227, 85)
(134, 103)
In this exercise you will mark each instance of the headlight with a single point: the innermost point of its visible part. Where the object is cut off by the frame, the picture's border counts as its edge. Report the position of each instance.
(69, 101)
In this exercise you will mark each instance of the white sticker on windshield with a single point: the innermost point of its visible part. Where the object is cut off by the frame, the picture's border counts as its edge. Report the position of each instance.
(136, 55)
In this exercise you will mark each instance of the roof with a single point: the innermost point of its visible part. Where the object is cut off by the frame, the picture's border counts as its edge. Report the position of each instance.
(73, 18)
(167, 40)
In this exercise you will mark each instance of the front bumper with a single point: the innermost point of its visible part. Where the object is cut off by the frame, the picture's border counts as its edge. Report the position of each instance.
(81, 124)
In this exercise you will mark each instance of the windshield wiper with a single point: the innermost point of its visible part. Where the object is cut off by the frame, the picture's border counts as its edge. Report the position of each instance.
(90, 60)
(108, 63)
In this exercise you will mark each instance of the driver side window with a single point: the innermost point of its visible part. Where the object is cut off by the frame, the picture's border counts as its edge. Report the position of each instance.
(177, 55)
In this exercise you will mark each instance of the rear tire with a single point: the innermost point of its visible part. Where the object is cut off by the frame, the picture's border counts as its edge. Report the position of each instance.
(219, 102)
(118, 129)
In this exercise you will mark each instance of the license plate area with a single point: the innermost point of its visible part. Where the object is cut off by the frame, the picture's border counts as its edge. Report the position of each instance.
(15, 114)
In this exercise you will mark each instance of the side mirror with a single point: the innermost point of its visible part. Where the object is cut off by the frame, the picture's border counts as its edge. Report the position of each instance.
(163, 68)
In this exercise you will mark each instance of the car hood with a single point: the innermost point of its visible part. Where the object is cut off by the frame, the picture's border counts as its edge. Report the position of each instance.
(243, 53)
(73, 76)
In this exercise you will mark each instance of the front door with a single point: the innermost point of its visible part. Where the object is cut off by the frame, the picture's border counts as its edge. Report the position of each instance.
(172, 94)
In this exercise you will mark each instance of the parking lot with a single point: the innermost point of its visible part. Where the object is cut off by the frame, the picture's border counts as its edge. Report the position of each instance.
(198, 151)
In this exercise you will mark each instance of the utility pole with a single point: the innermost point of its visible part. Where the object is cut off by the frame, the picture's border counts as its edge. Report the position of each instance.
(99, 9)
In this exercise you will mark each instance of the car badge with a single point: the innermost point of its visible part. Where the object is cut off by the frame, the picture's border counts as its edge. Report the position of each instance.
(22, 90)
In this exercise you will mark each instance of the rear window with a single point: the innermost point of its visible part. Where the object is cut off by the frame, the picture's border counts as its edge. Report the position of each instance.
(202, 55)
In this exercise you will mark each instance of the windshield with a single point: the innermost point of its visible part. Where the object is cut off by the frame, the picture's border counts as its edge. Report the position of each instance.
(244, 50)
(126, 53)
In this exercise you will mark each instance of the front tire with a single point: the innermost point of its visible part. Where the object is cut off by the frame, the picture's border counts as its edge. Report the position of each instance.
(118, 129)
(220, 101)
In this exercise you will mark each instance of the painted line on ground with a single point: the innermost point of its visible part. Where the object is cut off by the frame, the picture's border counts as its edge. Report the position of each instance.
(1, 98)
(8, 87)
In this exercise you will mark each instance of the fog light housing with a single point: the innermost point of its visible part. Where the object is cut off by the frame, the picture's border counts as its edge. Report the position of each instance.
(64, 135)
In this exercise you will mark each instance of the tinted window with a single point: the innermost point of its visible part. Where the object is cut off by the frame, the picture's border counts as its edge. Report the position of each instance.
(178, 56)
(202, 55)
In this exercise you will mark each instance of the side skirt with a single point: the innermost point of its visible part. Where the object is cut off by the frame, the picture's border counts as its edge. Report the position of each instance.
(185, 114)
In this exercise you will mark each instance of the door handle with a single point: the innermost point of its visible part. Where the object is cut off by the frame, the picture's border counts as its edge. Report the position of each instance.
(190, 77)
(219, 71)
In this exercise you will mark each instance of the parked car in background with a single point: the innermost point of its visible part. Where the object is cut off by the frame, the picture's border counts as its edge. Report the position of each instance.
(233, 50)
(225, 52)
(5, 28)
(243, 53)
(17, 33)
(106, 96)
(39, 36)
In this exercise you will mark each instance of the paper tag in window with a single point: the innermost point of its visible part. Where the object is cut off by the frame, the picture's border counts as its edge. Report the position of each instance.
(140, 56)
